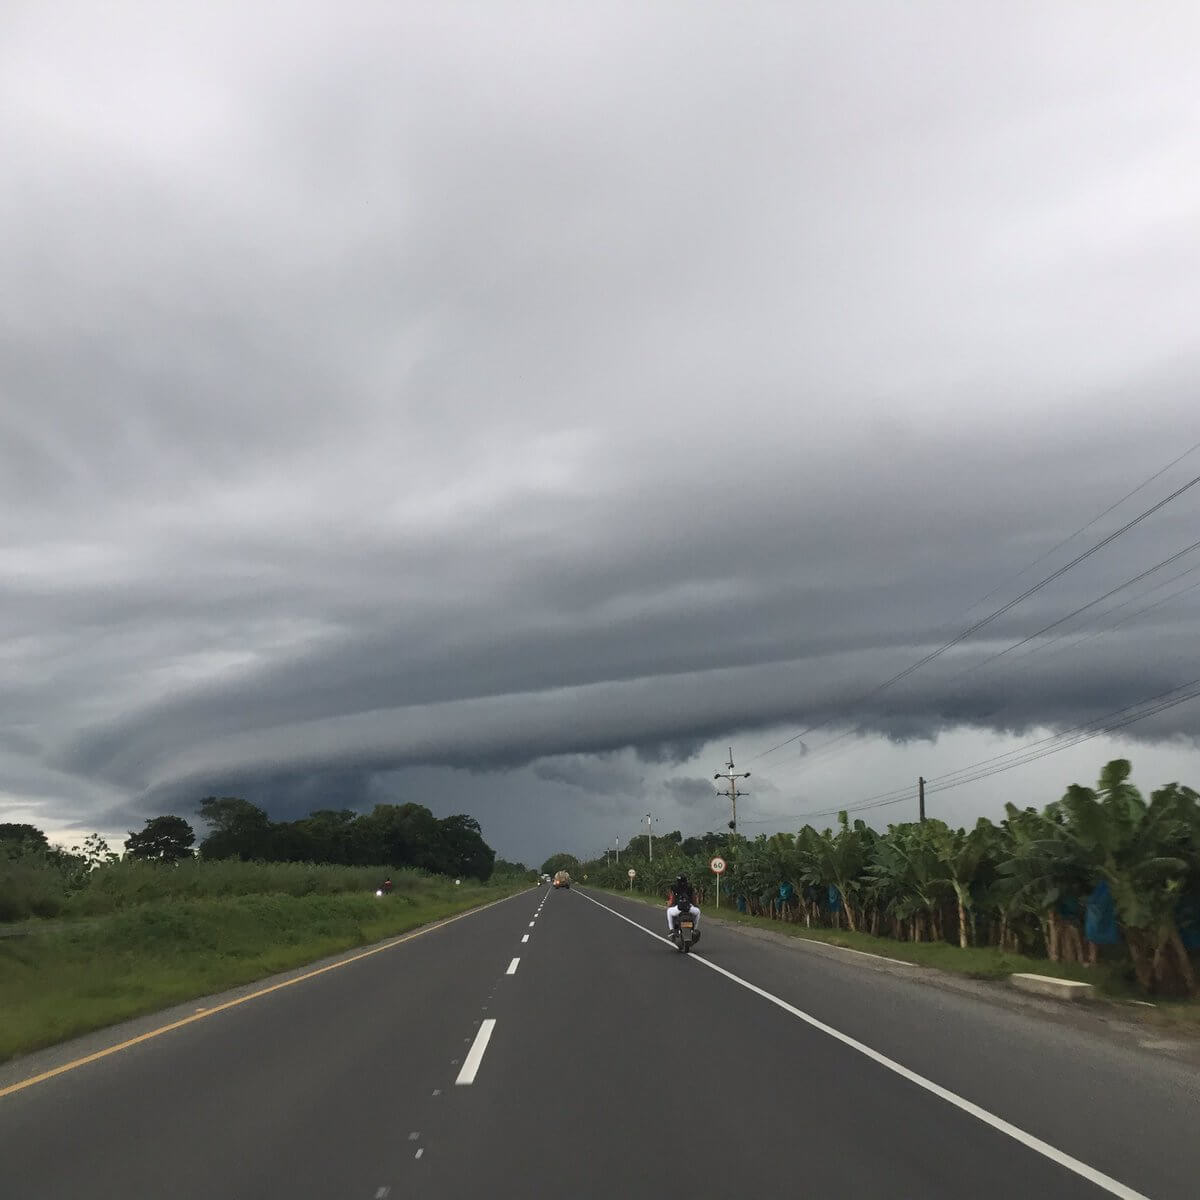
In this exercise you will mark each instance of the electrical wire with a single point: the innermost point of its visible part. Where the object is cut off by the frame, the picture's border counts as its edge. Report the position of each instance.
(1084, 528)
(1166, 562)
(824, 752)
(1031, 752)
(999, 612)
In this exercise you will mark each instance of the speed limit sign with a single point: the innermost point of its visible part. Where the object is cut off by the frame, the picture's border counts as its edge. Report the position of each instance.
(718, 866)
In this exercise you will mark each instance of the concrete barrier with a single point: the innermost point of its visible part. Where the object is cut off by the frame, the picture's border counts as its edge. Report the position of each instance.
(1047, 985)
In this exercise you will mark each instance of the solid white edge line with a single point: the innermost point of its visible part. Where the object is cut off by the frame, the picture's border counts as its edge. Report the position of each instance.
(470, 1067)
(1105, 1182)
(512, 967)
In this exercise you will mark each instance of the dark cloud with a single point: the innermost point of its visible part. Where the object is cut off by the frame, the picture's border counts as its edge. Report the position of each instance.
(395, 396)
(690, 793)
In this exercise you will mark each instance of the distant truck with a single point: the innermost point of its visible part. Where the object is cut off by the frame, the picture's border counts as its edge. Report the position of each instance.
(562, 880)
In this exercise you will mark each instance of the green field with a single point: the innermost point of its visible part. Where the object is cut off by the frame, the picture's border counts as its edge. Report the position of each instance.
(67, 977)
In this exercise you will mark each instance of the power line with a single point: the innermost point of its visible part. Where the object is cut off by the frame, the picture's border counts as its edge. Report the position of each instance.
(1037, 651)
(1022, 756)
(1062, 736)
(1166, 562)
(1084, 528)
(1136, 613)
(984, 621)
(821, 754)
(1162, 706)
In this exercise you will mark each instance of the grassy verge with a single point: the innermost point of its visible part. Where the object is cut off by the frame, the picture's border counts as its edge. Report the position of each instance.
(77, 977)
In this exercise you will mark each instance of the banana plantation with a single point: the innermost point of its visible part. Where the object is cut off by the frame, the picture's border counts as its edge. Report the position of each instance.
(1103, 873)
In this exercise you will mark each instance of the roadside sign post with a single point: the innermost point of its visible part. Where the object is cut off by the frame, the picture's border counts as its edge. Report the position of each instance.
(718, 869)
(632, 873)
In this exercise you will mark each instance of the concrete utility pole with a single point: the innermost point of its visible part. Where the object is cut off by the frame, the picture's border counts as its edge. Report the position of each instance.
(732, 777)
(650, 835)
(921, 795)
(618, 845)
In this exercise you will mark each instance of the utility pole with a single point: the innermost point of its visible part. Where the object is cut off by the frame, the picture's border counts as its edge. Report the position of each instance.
(732, 777)
(618, 845)
(650, 835)
(921, 796)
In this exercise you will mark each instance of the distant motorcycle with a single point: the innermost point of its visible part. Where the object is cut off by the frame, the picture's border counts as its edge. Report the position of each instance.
(685, 933)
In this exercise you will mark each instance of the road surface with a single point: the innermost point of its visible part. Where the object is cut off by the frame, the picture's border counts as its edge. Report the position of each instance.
(549, 1045)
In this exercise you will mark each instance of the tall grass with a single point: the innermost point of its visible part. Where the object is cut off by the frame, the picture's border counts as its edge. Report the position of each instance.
(31, 888)
(129, 883)
(28, 889)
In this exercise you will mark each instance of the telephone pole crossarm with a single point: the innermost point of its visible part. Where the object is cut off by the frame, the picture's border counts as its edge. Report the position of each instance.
(731, 777)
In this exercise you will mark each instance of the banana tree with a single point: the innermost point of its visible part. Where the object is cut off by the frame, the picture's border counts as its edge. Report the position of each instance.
(905, 868)
(1045, 871)
(836, 861)
(961, 855)
(1142, 849)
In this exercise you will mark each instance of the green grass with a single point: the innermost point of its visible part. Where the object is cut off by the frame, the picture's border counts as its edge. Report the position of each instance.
(75, 977)
(31, 889)
(128, 883)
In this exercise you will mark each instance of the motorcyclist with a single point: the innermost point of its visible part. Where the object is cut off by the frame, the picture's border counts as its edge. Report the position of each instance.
(682, 892)
(387, 886)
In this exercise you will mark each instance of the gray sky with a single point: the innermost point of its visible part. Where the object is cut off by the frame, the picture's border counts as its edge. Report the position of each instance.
(509, 406)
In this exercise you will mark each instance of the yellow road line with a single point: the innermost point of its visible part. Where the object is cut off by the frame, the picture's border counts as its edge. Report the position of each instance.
(275, 987)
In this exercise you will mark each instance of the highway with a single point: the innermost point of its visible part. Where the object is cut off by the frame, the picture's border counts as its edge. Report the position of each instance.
(549, 1045)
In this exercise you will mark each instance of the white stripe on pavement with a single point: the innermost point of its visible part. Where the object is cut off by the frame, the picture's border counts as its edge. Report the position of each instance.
(512, 967)
(1105, 1182)
(470, 1067)
(525, 938)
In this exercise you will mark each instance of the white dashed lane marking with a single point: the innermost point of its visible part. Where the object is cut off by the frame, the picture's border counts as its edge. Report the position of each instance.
(470, 1068)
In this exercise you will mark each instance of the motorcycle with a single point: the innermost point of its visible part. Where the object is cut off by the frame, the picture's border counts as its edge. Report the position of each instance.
(685, 933)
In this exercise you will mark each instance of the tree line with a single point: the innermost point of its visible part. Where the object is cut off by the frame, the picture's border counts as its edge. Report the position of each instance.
(391, 835)
(399, 835)
(1103, 872)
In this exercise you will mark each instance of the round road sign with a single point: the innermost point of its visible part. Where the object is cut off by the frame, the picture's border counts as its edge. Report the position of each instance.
(632, 872)
(718, 866)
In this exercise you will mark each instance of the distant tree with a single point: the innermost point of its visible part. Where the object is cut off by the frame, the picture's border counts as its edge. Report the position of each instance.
(399, 835)
(707, 843)
(18, 839)
(325, 836)
(503, 869)
(239, 829)
(395, 835)
(560, 862)
(96, 852)
(165, 839)
(463, 850)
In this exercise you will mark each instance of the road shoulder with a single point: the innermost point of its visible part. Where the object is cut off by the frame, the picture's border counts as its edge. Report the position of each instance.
(1131, 1026)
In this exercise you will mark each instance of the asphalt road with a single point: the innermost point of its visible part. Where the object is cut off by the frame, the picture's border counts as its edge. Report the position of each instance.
(614, 1067)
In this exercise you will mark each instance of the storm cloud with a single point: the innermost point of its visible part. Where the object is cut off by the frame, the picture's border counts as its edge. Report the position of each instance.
(511, 406)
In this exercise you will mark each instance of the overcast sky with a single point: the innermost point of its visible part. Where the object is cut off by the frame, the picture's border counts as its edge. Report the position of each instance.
(508, 407)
